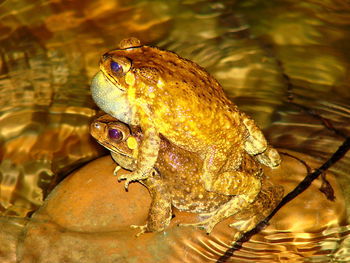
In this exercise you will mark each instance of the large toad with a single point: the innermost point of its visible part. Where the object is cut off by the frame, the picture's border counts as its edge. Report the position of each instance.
(176, 180)
(170, 96)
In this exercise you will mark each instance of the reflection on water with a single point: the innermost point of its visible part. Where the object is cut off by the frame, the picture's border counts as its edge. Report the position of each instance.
(258, 50)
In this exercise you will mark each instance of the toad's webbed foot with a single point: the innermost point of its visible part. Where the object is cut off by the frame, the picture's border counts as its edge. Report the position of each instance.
(207, 225)
(270, 157)
(245, 225)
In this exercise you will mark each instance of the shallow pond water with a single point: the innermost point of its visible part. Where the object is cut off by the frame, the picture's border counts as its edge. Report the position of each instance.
(286, 63)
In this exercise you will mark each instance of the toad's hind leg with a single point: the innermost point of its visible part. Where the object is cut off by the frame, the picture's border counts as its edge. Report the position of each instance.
(244, 187)
(266, 201)
(242, 175)
(257, 145)
(232, 207)
(234, 183)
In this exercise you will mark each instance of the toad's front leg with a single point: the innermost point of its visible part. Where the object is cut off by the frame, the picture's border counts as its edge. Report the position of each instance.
(147, 156)
(160, 212)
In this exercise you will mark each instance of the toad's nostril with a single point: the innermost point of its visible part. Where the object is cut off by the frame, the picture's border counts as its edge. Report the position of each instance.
(97, 125)
(105, 56)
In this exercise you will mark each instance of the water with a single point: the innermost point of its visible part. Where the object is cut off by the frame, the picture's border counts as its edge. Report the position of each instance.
(283, 62)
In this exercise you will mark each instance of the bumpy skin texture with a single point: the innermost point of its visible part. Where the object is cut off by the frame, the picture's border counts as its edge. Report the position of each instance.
(177, 180)
(169, 96)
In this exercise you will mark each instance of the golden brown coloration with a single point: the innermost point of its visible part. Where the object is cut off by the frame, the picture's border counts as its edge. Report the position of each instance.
(177, 180)
(174, 98)
(170, 96)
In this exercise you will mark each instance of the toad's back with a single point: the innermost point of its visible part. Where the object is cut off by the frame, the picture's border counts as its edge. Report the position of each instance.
(182, 95)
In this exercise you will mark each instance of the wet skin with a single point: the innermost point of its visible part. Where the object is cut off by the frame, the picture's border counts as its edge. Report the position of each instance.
(169, 96)
(177, 180)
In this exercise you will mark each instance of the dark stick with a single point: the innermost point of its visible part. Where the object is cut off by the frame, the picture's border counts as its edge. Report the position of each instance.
(301, 187)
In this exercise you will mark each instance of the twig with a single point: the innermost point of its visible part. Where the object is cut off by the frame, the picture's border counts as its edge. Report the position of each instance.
(301, 187)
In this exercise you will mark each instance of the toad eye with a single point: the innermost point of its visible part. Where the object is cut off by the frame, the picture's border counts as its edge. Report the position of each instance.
(119, 66)
(115, 134)
(116, 68)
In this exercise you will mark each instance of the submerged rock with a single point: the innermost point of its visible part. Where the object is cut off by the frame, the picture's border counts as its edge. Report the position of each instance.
(87, 218)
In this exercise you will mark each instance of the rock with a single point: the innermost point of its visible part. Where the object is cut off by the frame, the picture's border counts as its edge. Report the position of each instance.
(11, 229)
(87, 218)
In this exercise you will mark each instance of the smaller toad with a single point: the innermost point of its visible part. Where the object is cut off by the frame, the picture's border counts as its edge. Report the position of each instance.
(176, 180)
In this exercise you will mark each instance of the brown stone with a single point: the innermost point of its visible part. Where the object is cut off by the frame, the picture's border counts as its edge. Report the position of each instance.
(87, 218)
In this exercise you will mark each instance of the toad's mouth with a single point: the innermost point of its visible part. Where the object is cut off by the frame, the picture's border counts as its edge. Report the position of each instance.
(115, 150)
(112, 81)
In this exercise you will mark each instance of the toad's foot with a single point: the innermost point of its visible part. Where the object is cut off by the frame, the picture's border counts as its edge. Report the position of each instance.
(134, 176)
(116, 170)
(232, 207)
(245, 225)
(241, 226)
(143, 229)
(206, 224)
(270, 157)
